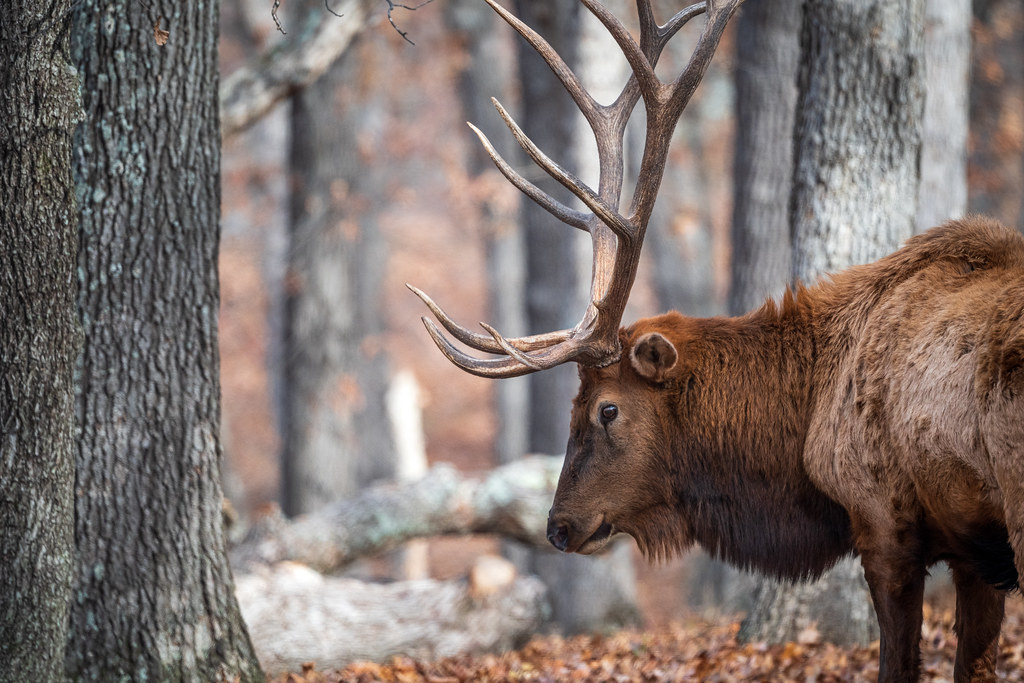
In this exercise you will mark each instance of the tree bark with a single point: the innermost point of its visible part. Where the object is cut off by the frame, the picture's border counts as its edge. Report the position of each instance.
(942, 194)
(297, 616)
(335, 430)
(858, 132)
(154, 597)
(39, 338)
(855, 186)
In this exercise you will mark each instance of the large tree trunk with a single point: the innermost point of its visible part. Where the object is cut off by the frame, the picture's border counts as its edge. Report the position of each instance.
(335, 431)
(39, 338)
(858, 132)
(854, 200)
(154, 597)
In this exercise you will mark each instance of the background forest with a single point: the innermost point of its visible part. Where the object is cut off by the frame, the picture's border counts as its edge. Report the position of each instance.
(414, 200)
(347, 171)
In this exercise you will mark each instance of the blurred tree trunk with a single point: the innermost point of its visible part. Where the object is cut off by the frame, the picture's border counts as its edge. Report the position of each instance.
(335, 430)
(858, 138)
(549, 117)
(154, 597)
(947, 61)
(476, 27)
(39, 339)
(767, 61)
(684, 228)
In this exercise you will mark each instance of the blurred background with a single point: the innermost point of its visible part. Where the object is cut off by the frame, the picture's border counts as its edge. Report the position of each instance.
(370, 179)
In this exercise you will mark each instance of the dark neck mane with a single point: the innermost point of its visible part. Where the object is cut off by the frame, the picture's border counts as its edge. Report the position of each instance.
(746, 497)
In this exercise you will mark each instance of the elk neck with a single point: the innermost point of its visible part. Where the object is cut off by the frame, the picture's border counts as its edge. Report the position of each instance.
(744, 414)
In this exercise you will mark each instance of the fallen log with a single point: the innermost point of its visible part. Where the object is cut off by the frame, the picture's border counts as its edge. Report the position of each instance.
(511, 501)
(296, 615)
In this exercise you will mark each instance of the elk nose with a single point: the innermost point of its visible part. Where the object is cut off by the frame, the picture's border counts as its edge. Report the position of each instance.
(558, 535)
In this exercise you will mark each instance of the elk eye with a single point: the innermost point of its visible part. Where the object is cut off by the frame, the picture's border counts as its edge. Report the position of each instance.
(608, 413)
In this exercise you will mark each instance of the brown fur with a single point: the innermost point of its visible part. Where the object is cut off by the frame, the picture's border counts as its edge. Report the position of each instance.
(879, 412)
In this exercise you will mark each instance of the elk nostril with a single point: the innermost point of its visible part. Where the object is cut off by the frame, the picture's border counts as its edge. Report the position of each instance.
(558, 535)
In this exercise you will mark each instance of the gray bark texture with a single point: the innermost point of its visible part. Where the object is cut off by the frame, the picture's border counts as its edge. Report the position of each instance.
(335, 430)
(858, 139)
(854, 199)
(942, 193)
(39, 339)
(154, 597)
(297, 615)
(767, 63)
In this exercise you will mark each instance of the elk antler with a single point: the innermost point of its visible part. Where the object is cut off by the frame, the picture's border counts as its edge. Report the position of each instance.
(617, 239)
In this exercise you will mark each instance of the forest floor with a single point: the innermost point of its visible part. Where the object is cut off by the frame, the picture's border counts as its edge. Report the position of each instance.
(696, 651)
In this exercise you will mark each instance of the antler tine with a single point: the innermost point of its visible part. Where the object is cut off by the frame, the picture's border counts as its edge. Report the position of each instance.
(576, 219)
(482, 342)
(608, 215)
(587, 105)
(512, 365)
(719, 14)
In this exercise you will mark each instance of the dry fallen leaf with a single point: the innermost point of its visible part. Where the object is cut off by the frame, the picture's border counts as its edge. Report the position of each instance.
(694, 652)
(159, 34)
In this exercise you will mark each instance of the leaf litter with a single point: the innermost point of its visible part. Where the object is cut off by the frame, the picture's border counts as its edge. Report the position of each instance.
(697, 651)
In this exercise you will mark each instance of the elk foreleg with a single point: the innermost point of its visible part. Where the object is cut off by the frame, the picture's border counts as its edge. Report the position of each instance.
(896, 579)
(979, 615)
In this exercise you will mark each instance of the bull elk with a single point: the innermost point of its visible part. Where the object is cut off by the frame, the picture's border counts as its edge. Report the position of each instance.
(879, 412)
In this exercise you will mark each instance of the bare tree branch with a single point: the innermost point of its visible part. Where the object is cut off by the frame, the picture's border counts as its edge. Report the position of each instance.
(251, 91)
(512, 500)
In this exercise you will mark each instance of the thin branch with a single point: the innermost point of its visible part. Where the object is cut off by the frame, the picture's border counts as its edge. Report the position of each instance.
(273, 13)
(391, 8)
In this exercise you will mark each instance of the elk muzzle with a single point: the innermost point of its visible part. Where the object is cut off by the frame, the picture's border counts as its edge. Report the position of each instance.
(576, 538)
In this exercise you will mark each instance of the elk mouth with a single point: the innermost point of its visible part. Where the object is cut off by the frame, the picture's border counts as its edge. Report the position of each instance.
(596, 540)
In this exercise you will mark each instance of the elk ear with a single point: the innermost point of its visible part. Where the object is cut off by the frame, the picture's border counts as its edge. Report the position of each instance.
(653, 356)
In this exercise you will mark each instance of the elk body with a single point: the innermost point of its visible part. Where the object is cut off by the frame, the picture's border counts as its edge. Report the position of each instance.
(879, 412)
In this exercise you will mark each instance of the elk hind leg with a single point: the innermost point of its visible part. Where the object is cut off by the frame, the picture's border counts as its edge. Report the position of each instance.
(979, 615)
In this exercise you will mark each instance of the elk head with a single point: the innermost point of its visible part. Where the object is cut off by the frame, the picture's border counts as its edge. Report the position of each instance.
(595, 343)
